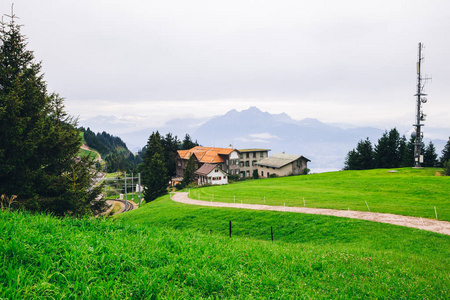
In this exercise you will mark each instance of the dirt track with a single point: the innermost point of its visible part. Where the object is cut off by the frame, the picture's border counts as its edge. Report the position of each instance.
(414, 222)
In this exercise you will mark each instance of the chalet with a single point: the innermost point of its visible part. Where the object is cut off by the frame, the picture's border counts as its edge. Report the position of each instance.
(226, 158)
(281, 164)
(211, 174)
(232, 161)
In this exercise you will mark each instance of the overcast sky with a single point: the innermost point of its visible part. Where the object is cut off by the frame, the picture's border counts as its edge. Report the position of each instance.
(337, 61)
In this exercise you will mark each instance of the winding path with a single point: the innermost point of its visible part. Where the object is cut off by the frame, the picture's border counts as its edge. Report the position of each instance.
(414, 222)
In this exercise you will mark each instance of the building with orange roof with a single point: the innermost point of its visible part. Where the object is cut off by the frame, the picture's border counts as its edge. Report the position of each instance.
(226, 158)
(234, 162)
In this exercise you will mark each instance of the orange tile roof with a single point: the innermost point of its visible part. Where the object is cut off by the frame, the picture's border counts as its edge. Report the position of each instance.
(206, 154)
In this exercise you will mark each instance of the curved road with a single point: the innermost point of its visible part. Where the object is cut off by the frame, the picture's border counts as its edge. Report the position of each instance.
(414, 222)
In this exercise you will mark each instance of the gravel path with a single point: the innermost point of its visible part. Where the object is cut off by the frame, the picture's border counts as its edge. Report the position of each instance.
(414, 222)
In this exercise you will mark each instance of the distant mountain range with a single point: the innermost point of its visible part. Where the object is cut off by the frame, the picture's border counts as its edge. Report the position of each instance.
(326, 145)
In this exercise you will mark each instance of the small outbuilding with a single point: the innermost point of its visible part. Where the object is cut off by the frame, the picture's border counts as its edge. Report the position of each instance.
(280, 164)
(211, 174)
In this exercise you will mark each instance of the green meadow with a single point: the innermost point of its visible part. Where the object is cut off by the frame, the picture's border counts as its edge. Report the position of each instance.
(169, 250)
(408, 191)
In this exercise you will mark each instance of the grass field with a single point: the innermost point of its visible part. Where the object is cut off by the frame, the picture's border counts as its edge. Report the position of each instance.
(168, 250)
(84, 152)
(165, 251)
(412, 192)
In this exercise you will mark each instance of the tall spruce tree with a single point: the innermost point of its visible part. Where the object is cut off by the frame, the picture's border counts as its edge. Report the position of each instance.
(387, 150)
(38, 139)
(155, 177)
(430, 158)
(189, 175)
(188, 143)
(351, 160)
(170, 145)
(445, 154)
(360, 158)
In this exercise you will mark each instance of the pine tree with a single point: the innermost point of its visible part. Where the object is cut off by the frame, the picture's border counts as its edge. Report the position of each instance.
(360, 158)
(188, 143)
(387, 150)
(430, 158)
(170, 145)
(38, 139)
(365, 159)
(351, 160)
(189, 175)
(445, 154)
(155, 177)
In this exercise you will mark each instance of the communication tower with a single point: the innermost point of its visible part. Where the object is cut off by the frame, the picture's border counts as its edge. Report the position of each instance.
(420, 116)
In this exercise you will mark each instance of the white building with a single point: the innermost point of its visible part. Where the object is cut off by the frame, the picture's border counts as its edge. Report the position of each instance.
(211, 174)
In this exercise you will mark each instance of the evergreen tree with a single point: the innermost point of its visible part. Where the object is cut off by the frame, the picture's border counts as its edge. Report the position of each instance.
(406, 153)
(156, 177)
(38, 140)
(154, 172)
(365, 159)
(189, 175)
(170, 145)
(387, 150)
(351, 160)
(188, 143)
(447, 168)
(360, 158)
(445, 154)
(430, 158)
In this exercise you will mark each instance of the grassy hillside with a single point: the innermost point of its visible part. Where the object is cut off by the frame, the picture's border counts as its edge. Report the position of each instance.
(44, 257)
(413, 192)
(168, 250)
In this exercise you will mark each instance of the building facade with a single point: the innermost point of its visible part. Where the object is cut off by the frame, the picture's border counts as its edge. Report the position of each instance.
(280, 164)
(248, 159)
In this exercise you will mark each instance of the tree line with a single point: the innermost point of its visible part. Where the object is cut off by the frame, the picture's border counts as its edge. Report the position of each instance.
(114, 151)
(159, 162)
(392, 151)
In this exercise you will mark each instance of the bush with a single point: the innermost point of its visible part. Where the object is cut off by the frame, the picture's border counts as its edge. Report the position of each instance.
(447, 168)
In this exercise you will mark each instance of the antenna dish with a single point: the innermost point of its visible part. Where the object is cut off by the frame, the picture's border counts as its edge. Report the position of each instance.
(424, 99)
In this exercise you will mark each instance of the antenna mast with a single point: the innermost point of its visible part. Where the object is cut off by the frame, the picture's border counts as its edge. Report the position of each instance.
(420, 116)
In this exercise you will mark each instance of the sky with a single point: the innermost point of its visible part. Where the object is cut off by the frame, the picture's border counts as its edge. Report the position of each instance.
(146, 62)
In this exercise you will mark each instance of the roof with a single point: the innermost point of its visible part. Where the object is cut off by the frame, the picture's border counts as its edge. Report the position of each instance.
(206, 154)
(252, 150)
(206, 169)
(279, 160)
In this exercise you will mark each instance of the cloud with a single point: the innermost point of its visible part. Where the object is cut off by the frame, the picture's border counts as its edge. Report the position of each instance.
(264, 136)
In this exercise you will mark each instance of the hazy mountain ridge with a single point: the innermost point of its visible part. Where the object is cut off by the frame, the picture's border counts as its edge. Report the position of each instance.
(325, 144)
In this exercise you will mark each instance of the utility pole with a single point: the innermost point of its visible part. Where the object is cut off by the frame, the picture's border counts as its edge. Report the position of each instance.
(420, 116)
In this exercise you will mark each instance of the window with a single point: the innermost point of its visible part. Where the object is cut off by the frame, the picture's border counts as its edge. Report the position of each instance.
(248, 173)
(268, 174)
(262, 173)
(254, 162)
(254, 154)
(242, 163)
(247, 164)
(242, 155)
(262, 154)
(247, 155)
